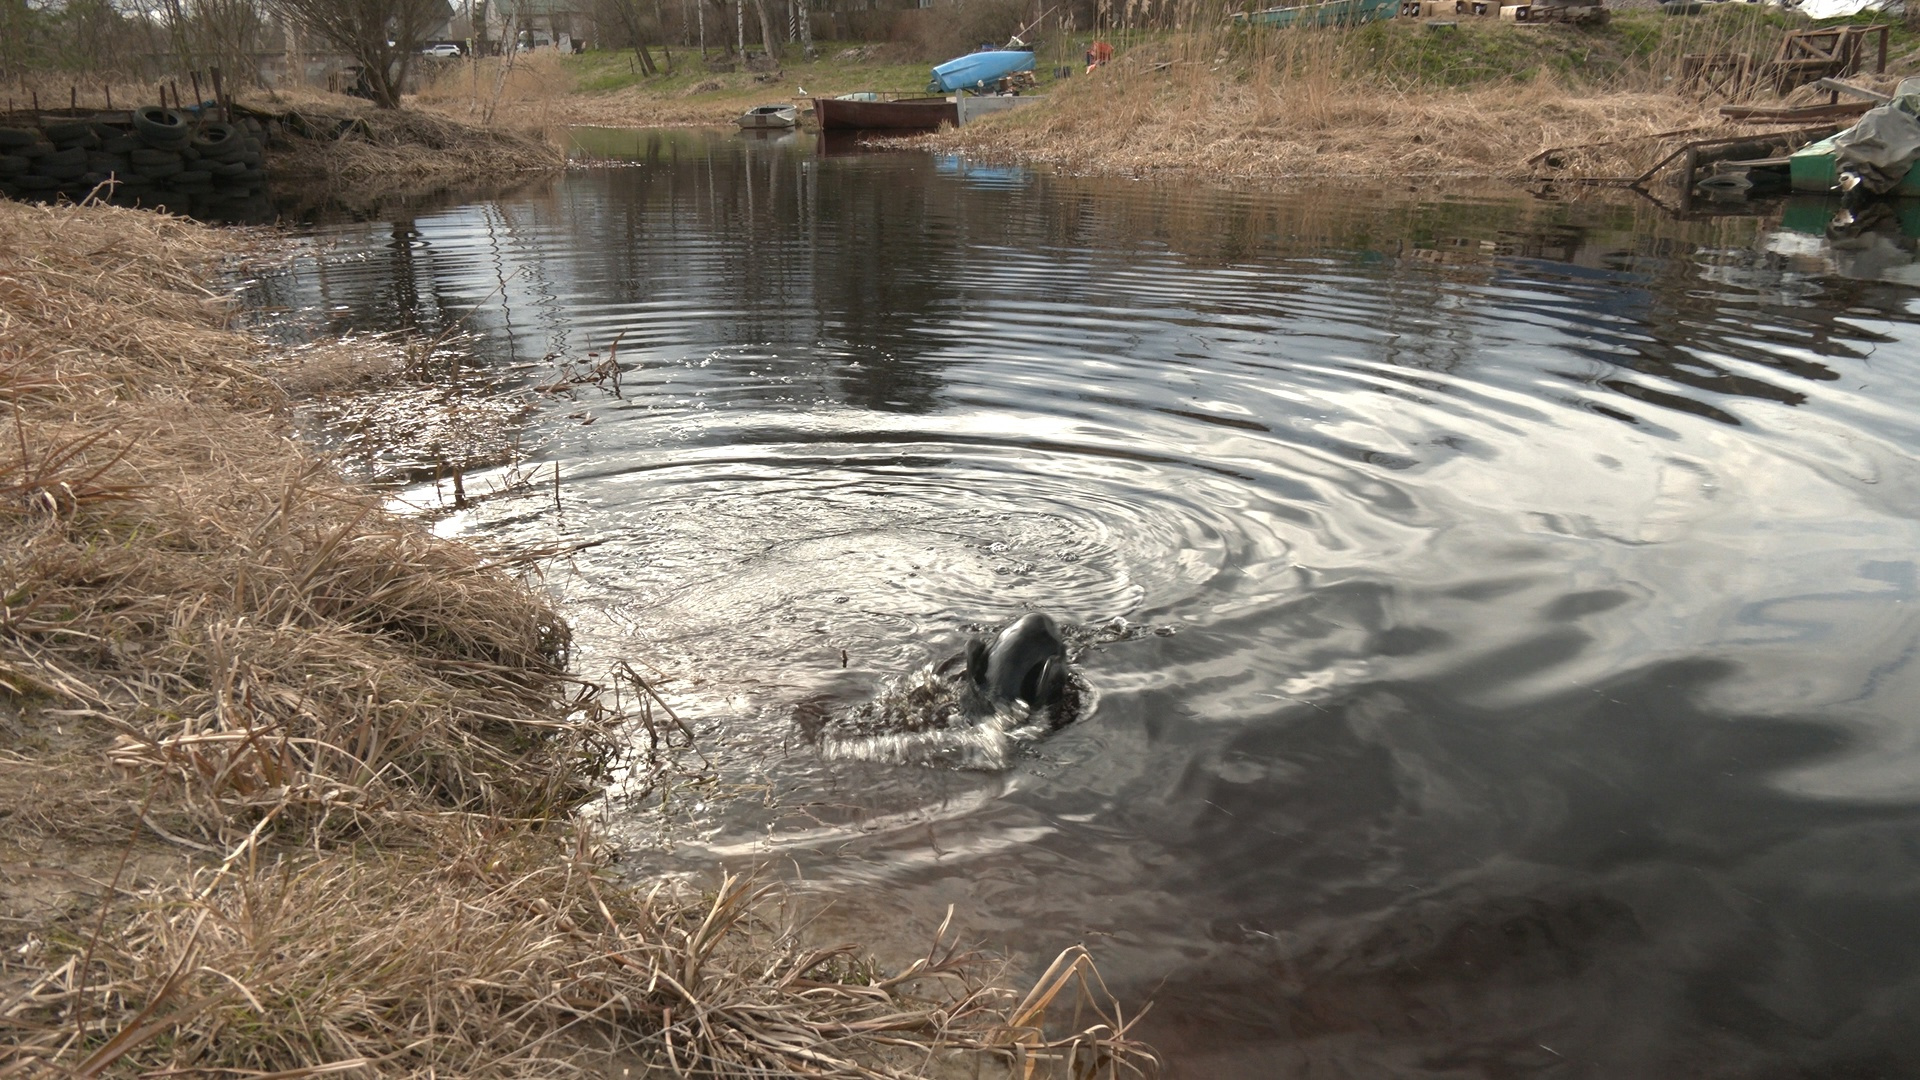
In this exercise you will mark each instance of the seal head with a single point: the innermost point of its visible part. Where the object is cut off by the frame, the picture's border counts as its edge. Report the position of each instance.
(1025, 666)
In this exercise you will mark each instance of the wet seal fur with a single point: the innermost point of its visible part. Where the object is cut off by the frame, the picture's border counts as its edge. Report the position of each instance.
(1026, 666)
(971, 711)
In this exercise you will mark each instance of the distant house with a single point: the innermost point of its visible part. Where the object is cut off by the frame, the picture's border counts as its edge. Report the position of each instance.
(456, 27)
(537, 23)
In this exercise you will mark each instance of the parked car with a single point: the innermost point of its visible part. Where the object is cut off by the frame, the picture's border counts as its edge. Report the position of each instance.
(442, 51)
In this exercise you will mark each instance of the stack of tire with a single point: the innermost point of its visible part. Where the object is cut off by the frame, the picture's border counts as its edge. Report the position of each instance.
(164, 158)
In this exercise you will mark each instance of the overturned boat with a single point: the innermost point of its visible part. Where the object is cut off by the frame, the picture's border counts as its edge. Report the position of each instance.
(980, 70)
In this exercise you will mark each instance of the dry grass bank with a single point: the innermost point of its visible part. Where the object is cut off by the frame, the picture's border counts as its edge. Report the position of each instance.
(1383, 101)
(1302, 112)
(334, 137)
(287, 780)
(1287, 129)
(547, 90)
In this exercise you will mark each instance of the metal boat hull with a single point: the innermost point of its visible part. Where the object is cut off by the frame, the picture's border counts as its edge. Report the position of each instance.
(907, 114)
(768, 116)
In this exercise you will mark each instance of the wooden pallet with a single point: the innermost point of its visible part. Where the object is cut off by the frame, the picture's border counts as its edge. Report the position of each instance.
(1806, 56)
(1721, 76)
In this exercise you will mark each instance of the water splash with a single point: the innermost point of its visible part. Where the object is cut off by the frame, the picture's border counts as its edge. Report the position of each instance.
(935, 716)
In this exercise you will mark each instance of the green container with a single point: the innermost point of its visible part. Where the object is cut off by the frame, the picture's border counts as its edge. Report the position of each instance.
(1812, 169)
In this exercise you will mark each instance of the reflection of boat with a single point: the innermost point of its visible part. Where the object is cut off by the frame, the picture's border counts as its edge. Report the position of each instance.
(867, 111)
(972, 172)
(980, 68)
(768, 116)
(1329, 13)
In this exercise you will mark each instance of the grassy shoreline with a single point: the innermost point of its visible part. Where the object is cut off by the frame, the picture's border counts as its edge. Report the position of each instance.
(1390, 99)
(289, 781)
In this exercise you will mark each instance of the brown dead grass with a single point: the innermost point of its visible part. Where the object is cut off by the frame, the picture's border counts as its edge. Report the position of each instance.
(288, 780)
(1308, 122)
(539, 90)
(331, 136)
(1323, 103)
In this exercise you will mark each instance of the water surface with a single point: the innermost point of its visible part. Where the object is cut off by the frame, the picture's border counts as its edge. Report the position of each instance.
(1533, 685)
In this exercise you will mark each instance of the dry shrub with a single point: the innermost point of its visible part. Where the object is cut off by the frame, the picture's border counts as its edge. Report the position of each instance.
(366, 741)
(529, 88)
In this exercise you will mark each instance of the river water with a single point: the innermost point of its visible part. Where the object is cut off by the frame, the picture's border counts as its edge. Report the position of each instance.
(1519, 675)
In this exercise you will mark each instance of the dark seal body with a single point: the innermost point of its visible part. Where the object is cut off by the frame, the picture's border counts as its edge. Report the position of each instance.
(1026, 665)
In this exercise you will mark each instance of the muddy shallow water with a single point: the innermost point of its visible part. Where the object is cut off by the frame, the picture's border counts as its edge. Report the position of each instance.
(1520, 597)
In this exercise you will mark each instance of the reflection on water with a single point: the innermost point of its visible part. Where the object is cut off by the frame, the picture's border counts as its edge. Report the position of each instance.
(1539, 579)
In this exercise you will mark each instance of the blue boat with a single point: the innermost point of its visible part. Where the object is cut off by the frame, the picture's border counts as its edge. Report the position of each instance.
(979, 70)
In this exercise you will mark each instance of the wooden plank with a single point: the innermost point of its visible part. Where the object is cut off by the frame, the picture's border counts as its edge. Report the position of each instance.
(1780, 114)
(1851, 90)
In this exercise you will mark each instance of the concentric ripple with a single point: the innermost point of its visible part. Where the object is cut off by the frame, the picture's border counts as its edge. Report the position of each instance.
(1518, 601)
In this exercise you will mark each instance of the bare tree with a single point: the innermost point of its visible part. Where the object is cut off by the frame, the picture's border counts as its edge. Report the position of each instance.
(382, 36)
(768, 42)
(214, 33)
(635, 25)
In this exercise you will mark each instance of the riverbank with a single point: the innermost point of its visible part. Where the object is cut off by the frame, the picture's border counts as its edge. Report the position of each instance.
(1400, 99)
(290, 782)
(549, 91)
(318, 137)
(1412, 98)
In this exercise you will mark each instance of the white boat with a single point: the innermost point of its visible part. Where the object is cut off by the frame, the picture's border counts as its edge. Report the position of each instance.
(768, 116)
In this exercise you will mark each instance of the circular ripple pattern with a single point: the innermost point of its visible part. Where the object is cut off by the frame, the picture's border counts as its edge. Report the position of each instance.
(1538, 582)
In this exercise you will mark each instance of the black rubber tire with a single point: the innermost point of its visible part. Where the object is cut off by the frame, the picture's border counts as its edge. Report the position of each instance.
(158, 171)
(61, 173)
(190, 178)
(104, 162)
(34, 151)
(146, 156)
(122, 143)
(216, 137)
(73, 155)
(227, 170)
(155, 123)
(13, 164)
(68, 132)
(35, 182)
(13, 137)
